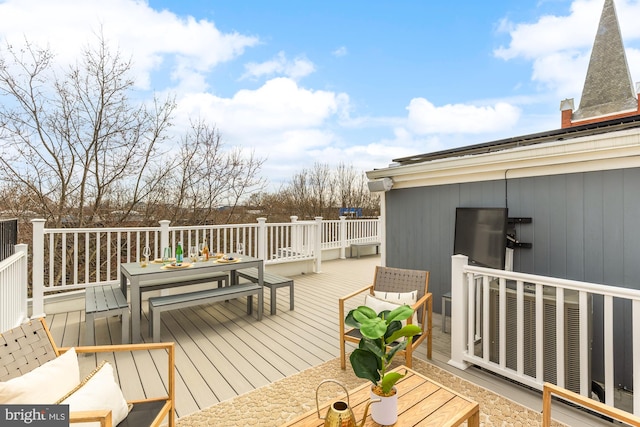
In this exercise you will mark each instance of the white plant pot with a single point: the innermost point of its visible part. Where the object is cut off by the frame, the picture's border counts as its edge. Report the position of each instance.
(384, 412)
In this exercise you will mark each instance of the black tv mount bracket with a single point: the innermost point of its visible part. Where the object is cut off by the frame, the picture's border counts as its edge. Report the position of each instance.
(512, 240)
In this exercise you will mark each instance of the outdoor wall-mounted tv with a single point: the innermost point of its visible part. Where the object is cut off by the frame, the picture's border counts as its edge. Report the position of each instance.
(481, 234)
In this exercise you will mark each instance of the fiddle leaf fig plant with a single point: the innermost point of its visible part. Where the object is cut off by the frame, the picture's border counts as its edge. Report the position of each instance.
(374, 354)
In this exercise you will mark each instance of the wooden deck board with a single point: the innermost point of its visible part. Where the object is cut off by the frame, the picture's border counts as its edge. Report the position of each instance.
(199, 376)
(284, 345)
(222, 352)
(218, 356)
(257, 370)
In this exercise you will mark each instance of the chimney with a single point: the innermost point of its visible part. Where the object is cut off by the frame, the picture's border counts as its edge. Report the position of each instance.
(566, 106)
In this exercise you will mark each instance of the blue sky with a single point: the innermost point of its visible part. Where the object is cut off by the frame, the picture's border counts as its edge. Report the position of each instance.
(359, 82)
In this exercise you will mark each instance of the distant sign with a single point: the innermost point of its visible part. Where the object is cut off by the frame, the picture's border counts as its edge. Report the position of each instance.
(356, 212)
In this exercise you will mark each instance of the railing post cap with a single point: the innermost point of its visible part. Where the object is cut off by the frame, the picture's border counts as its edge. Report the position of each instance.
(38, 220)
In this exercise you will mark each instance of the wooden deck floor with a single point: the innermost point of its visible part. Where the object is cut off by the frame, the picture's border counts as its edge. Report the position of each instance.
(222, 352)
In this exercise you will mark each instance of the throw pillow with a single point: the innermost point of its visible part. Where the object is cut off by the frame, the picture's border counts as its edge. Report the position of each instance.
(98, 390)
(408, 298)
(378, 304)
(44, 384)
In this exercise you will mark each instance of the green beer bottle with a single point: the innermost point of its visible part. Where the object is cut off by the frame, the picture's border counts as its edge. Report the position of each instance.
(179, 253)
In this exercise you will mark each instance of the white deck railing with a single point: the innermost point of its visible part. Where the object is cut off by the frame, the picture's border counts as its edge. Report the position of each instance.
(13, 289)
(74, 258)
(363, 231)
(341, 234)
(533, 329)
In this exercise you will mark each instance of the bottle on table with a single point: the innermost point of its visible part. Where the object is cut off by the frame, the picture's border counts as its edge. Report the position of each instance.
(205, 252)
(179, 253)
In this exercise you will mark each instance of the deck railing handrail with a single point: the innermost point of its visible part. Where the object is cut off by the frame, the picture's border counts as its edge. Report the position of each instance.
(74, 258)
(13, 288)
(479, 298)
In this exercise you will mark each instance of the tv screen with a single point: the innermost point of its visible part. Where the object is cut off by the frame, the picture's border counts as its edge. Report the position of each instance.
(481, 234)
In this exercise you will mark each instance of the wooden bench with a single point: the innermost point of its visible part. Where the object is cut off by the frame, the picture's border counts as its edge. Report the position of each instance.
(360, 245)
(171, 302)
(273, 282)
(222, 279)
(104, 301)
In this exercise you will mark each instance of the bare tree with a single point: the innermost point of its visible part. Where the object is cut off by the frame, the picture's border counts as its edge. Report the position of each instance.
(81, 151)
(309, 191)
(321, 191)
(208, 177)
(351, 188)
(72, 140)
(321, 188)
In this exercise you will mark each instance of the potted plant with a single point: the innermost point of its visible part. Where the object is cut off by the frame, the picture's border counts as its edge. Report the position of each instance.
(372, 358)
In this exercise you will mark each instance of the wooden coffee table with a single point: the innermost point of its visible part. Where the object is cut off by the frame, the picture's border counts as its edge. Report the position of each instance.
(422, 402)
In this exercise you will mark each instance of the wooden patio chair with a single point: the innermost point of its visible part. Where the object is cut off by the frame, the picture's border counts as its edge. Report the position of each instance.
(549, 390)
(387, 279)
(31, 345)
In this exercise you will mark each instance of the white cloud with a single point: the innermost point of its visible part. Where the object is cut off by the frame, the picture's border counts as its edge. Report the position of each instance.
(633, 59)
(562, 73)
(426, 118)
(280, 65)
(280, 120)
(404, 143)
(152, 38)
(341, 51)
(377, 153)
(551, 34)
(279, 104)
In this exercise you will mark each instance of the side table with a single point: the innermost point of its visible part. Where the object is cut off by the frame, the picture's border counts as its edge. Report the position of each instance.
(421, 402)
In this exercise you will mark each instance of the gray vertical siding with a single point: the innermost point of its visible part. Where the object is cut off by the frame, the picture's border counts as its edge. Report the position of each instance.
(586, 226)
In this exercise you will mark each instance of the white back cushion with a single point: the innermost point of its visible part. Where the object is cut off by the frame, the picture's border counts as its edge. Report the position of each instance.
(408, 298)
(45, 384)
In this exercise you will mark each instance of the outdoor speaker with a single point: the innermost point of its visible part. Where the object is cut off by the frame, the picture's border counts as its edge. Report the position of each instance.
(378, 185)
